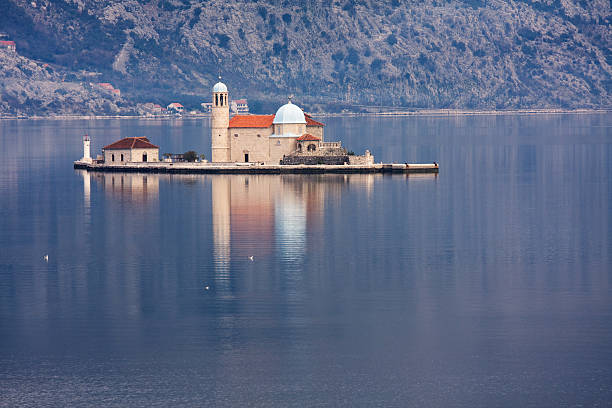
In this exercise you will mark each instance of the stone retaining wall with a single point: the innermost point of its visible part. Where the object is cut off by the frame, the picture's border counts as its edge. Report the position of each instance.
(361, 160)
(329, 160)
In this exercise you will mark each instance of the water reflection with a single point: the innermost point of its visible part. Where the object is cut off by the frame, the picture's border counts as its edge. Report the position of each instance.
(221, 214)
(260, 216)
(487, 284)
(131, 187)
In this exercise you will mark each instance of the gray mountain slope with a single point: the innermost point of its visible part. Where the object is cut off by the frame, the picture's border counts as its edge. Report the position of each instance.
(440, 54)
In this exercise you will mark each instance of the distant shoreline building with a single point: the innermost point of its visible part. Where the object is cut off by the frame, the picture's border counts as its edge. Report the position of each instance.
(175, 107)
(8, 45)
(206, 107)
(239, 106)
(109, 88)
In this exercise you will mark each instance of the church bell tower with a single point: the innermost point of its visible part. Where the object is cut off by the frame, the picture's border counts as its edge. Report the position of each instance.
(220, 124)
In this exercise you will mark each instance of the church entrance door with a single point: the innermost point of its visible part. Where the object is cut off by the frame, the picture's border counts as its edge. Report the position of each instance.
(246, 157)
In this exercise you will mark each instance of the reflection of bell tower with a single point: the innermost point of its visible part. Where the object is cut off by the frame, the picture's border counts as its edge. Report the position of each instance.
(221, 197)
(220, 124)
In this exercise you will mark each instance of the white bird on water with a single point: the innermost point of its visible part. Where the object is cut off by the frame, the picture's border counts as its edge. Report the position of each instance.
(46, 258)
(251, 258)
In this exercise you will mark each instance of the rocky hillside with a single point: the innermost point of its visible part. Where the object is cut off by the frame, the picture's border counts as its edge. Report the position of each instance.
(412, 53)
(29, 87)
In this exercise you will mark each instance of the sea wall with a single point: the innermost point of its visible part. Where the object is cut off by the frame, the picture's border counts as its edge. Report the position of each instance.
(366, 160)
(247, 168)
(312, 160)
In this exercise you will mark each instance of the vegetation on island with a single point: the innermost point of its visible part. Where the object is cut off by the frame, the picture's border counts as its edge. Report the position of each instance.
(190, 156)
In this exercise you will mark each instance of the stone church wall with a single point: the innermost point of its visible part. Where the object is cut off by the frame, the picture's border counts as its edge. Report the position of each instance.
(251, 141)
(315, 131)
(130, 155)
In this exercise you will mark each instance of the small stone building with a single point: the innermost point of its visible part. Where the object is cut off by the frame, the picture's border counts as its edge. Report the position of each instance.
(131, 150)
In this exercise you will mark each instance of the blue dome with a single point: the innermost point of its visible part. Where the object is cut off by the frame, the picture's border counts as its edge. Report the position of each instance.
(219, 87)
(289, 113)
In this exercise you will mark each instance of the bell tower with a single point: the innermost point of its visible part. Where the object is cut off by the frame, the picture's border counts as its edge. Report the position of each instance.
(220, 123)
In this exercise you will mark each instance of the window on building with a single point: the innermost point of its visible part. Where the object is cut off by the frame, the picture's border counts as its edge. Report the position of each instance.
(258, 135)
(312, 148)
(216, 100)
(112, 157)
(236, 135)
(278, 142)
(121, 157)
(144, 157)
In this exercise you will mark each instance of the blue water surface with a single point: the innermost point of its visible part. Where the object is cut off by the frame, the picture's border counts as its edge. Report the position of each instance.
(486, 285)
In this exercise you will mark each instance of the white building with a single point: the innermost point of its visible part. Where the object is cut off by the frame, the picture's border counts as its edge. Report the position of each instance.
(239, 106)
(175, 107)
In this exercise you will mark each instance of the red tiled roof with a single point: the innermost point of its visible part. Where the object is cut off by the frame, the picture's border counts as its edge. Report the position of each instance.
(131, 143)
(7, 42)
(242, 101)
(251, 121)
(306, 137)
(176, 105)
(311, 122)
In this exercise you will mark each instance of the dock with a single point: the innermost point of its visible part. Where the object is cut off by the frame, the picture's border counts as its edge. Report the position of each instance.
(254, 168)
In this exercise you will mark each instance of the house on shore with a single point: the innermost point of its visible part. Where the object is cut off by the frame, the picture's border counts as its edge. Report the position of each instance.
(175, 107)
(8, 45)
(239, 106)
(131, 150)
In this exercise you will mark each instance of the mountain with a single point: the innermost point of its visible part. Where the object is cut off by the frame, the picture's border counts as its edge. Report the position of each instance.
(330, 54)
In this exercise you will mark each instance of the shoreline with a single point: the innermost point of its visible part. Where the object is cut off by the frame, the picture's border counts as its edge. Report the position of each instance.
(227, 168)
(424, 112)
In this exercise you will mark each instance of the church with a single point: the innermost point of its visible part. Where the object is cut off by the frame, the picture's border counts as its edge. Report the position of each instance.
(269, 139)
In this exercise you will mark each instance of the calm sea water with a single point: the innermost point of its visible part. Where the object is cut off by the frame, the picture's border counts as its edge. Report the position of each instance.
(486, 285)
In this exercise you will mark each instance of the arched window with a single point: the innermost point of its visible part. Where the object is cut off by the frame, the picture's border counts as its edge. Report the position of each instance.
(299, 147)
(312, 147)
(216, 100)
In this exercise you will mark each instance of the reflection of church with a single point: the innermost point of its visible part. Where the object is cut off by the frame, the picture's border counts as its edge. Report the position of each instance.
(261, 215)
(269, 138)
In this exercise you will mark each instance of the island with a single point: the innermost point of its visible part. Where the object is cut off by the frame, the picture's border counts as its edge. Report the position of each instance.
(289, 141)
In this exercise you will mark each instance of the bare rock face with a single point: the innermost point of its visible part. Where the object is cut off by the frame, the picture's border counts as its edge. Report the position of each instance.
(430, 53)
(29, 87)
